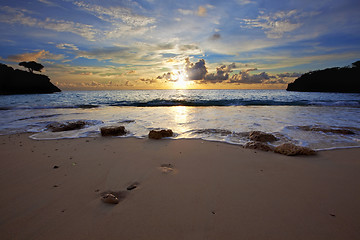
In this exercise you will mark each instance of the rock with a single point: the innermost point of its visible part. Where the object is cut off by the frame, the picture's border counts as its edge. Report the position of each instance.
(23, 82)
(259, 146)
(328, 130)
(113, 131)
(132, 186)
(110, 198)
(67, 126)
(155, 134)
(259, 136)
(290, 149)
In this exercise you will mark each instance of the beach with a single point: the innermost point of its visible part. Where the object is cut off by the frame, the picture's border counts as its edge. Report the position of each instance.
(184, 189)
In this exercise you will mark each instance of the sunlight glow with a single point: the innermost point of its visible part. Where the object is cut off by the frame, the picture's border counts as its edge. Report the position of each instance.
(180, 80)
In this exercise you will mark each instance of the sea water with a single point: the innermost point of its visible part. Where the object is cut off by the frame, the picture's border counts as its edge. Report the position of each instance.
(214, 115)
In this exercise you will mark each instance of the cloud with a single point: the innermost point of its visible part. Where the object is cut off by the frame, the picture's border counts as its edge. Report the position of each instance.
(46, 2)
(198, 72)
(215, 36)
(222, 74)
(108, 53)
(20, 16)
(142, 53)
(123, 21)
(35, 56)
(277, 24)
(195, 71)
(115, 13)
(201, 11)
(148, 80)
(289, 75)
(67, 46)
(245, 77)
(186, 11)
(244, 2)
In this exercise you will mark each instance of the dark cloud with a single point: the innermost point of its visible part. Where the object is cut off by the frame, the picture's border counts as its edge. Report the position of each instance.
(148, 80)
(195, 71)
(186, 47)
(169, 76)
(165, 46)
(198, 72)
(215, 36)
(245, 77)
(222, 74)
(275, 81)
(284, 75)
(250, 69)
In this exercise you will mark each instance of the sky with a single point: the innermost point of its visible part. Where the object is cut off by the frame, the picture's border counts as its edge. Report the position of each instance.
(158, 44)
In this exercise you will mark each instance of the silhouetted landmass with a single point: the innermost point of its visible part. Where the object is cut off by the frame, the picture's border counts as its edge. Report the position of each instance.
(345, 80)
(22, 82)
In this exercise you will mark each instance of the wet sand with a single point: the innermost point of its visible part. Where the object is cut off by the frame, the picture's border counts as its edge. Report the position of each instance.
(174, 189)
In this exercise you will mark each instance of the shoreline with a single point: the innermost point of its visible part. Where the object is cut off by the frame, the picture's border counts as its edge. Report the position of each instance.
(186, 189)
(169, 139)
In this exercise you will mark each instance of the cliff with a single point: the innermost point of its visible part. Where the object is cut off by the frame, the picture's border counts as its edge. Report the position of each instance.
(22, 82)
(345, 80)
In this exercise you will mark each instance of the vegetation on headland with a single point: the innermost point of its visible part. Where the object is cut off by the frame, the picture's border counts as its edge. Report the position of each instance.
(345, 80)
(23, 82)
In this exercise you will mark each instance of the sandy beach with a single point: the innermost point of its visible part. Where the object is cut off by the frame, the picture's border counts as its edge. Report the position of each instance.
(185, 189)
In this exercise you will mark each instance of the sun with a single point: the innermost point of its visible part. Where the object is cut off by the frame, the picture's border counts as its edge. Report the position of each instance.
(181, 81)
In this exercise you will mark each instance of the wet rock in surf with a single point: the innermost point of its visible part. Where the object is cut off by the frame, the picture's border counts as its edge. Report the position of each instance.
(67, 126)
(113, 131)
(290, 149)
(327, 130)
(158, 134)
(259, 136)
(259, 146)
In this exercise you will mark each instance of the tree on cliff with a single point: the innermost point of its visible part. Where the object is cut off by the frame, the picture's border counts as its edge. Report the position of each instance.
(32, 66)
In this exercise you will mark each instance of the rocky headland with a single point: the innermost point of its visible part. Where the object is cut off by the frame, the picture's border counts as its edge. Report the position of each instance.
(23, 82)
(343, 80)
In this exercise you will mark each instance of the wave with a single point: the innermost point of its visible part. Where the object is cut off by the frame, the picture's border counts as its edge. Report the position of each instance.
(81, 106)
(193, 103)
(231, 102)
(39, 116)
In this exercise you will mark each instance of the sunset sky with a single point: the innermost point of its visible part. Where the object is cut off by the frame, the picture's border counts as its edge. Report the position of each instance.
(158, 44)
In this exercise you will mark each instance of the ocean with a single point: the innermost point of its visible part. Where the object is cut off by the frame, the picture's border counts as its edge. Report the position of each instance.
(307, 119)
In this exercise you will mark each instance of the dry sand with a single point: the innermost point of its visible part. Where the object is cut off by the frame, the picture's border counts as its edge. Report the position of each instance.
(185, 189)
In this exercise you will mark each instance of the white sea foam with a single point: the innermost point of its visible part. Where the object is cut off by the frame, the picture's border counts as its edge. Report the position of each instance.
(220, 115)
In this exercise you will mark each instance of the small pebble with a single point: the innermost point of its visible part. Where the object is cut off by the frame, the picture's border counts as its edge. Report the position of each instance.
(132, 186)
(110, 198)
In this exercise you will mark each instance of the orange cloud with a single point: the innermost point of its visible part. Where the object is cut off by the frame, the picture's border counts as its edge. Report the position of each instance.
(35, 56)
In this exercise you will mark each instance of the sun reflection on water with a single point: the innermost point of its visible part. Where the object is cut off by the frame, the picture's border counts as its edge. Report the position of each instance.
(181, 114)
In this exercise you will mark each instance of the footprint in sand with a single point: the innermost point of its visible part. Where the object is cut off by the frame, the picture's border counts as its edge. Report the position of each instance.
(167, 168)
